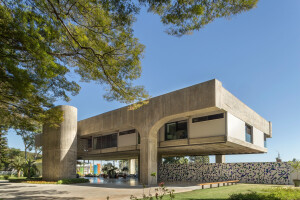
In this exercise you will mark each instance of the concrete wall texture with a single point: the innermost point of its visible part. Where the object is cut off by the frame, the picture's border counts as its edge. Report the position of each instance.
(127, 140)
(207, 128)
(60, 147)
(260, 173)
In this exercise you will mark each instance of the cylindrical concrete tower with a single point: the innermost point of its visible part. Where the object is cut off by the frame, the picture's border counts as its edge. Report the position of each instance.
(60, 147)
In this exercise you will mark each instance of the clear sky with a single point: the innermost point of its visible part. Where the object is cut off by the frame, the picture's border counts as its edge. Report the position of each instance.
(256, 55)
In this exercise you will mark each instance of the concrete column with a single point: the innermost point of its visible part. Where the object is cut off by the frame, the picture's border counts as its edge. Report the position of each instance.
(60, 147)
(148, 160)
(159, 162)
(132, 166)
(139, 168)
(220, 158)
(159, 159)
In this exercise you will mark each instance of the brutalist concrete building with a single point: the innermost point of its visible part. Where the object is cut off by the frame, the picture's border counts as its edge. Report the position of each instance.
(204, 119)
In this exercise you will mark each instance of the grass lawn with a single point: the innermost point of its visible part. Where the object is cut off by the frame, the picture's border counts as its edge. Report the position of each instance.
(11, 177)
(222, 192)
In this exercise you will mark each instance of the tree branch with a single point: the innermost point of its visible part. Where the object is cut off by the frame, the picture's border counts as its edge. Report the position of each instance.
(109, 79)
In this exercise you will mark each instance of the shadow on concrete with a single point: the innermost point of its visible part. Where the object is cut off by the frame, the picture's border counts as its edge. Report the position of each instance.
(130, 183)
(131, 187)
(9, 192)
(45, 198)
(108, 186)
(9, 186)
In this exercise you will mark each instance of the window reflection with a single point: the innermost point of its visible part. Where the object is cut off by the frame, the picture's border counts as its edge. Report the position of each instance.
(248, 132)
(176, 130)
(106, 141)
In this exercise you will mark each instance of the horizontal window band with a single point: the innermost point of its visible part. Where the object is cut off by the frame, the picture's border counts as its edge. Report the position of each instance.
(207, 118)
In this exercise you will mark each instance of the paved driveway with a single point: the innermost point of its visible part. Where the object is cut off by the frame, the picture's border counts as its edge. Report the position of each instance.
(77, 191)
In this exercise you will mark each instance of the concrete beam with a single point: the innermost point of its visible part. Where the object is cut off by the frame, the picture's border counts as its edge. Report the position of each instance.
(185, 102)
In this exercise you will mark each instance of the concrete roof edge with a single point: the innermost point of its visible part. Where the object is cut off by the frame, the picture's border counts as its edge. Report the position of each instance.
(215, 80)
(224, 105)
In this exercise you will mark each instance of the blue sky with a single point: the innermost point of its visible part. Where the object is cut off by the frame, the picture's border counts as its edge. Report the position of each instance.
(256, 55)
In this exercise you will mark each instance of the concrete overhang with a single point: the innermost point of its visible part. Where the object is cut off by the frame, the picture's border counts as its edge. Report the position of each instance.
(204, 97)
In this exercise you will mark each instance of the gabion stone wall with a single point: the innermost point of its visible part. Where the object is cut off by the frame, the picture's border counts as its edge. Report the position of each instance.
(264, 173)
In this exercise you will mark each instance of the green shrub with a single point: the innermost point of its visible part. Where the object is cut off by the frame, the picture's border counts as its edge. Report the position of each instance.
(277, 193)
(6, 177)
(253, 196)
(16, 179)
(285, 193)
(22, 179)
(72, 181)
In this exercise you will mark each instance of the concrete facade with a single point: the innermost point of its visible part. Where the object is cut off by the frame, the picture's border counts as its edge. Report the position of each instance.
(147, 141)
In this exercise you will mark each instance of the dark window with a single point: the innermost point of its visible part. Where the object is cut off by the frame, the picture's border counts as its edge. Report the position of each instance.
(176, 130)
(248, 133)
(106, 141)
(265, 140)
(98, 142)
(209, 117)
(139, 139)
(127, 132)
(90, 142)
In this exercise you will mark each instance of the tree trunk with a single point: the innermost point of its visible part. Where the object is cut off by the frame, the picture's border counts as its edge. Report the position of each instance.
(28, 172)
(0, 146)
(25, 153)
(19, 171)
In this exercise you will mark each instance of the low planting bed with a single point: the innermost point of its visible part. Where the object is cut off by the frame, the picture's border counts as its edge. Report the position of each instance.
(4, 177)
(73, 181)
(41, 181)
(22, 179)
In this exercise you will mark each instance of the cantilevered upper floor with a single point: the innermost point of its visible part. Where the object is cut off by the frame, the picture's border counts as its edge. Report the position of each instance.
(204, 119)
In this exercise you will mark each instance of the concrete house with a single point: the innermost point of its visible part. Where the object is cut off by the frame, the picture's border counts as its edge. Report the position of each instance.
(204, 119)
